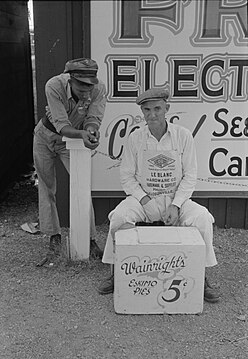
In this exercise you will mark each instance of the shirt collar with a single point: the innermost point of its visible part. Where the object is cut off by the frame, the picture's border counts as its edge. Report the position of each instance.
(68, 91)
(168, 131)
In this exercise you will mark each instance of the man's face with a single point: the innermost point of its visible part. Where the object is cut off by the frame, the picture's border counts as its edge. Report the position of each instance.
(80, 89)
(154, 113)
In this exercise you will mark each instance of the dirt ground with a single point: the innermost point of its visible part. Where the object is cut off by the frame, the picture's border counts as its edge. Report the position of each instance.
(56, 312)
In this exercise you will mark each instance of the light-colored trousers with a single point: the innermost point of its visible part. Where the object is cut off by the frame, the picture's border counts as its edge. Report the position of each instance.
(130, 211)
(47, 146)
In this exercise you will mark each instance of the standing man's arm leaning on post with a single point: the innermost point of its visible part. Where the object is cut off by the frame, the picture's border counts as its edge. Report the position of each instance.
(90, 99)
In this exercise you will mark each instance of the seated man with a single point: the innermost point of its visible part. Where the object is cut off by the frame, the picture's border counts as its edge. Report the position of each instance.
(159, 150)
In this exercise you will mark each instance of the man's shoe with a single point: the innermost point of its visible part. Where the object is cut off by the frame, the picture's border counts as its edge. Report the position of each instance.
(210, 294)
(107, 286)
(49, 258)
(53, 251)
(95, 251)
(55, 244)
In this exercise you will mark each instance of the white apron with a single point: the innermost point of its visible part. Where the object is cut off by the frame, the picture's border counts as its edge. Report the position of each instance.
(161, 170)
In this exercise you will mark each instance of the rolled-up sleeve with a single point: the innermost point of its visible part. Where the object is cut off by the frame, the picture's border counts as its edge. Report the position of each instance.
(59, 116)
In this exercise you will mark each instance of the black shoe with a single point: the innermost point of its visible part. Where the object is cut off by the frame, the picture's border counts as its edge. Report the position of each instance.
(55, 244)
(53, 251)
(95, 251)
(49, 258)
(107, 285)
(210, 294)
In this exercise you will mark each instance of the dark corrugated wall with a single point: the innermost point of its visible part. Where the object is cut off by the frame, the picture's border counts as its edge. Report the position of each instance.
(16, 92)
(228, 213)
(60, 35)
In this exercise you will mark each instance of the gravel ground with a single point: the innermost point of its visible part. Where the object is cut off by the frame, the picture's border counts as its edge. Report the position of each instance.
(56, 311)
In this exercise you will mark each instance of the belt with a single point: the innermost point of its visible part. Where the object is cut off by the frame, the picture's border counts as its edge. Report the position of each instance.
(49, 125)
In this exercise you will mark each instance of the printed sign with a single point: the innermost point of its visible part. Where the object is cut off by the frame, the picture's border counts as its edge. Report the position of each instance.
(160, 173)
(147, 274)
(196, 49)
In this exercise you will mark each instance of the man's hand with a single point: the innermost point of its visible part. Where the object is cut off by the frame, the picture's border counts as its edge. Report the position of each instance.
(171, 215)
(144, 200)
(94, 132)
(89, 139)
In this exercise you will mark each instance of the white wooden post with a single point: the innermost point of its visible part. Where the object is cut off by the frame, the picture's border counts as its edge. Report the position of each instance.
(80, 199)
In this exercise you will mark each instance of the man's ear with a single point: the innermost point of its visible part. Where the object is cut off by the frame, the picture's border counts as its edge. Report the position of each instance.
(167, 107)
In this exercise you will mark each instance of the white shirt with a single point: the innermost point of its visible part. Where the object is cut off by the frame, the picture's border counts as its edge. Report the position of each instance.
(131, 165)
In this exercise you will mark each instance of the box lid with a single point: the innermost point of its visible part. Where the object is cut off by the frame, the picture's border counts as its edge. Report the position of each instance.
(159, 235)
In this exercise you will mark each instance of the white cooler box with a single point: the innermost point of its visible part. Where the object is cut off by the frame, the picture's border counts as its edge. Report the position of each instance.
(159, 270)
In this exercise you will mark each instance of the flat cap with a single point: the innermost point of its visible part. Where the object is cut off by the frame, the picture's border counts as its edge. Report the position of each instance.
(152, 95)
(83, 69)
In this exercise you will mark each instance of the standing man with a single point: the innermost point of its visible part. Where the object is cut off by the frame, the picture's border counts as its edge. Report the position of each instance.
(76, 102)
(171, 148)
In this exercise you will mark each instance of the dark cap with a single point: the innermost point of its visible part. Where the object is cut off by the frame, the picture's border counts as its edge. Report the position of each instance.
(84, 70)
(152, 95)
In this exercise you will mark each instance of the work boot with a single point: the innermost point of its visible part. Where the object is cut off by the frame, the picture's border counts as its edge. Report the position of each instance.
(53, 251)
(210, 294)
(55, 244)
(95, 251)
(107, 285)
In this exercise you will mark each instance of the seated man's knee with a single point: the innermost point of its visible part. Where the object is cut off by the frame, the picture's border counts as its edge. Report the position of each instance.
(204, 217)
(197, 215)
(126, 212)
(117, 218)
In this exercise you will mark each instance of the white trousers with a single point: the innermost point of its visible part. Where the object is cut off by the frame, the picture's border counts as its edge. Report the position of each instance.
(191, 214)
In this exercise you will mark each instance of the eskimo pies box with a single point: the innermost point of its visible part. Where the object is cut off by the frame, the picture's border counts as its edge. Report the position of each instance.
(159, 270)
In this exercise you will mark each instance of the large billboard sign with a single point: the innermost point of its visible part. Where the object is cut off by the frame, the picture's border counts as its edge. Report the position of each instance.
(196, 48)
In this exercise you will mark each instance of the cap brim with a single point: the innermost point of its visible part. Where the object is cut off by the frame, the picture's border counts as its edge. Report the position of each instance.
(150, 99)
(87, 80)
